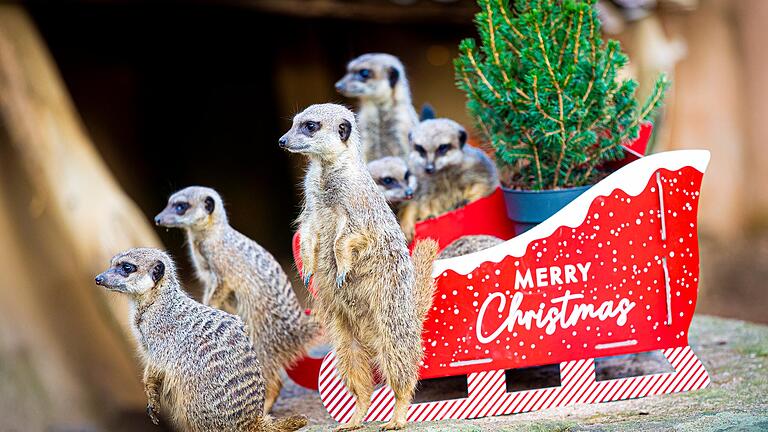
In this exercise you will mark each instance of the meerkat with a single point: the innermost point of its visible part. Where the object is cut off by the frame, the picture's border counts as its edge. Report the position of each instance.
(241, 277)
(200, 367)
(451, 172)
(469, 244)
(386, 113)
(371, 295)
(394, 179)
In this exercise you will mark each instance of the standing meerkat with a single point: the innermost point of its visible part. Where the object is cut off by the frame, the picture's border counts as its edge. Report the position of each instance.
(241, 277)
(371, 295)
(200, 367)
(394, 179)
(386, 112)
(451, 172)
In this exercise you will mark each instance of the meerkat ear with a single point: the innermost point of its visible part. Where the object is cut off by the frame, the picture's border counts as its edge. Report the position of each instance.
(345, 130)
(462, 137)
(210, 204)
(394, 76)
(158, 271)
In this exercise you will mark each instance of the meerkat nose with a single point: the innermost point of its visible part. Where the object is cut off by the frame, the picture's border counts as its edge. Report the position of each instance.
(283, 142)
(430, 168)
(339, 86)
(157, 220)
(99, 280)
(409, 193)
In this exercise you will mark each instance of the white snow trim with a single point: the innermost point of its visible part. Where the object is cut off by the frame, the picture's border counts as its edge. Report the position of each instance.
(632, 179)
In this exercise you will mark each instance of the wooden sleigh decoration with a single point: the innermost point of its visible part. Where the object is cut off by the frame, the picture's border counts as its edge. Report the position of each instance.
(614, 272)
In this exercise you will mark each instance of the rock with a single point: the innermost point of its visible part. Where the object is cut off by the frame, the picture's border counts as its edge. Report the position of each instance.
(735, 354)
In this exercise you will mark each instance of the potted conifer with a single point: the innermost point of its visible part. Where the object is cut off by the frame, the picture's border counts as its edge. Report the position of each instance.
(542, 89)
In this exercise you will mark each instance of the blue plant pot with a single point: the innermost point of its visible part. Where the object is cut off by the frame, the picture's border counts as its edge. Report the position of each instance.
(528, 208)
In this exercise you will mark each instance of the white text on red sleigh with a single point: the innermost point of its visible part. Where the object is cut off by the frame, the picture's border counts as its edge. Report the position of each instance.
(564, 311)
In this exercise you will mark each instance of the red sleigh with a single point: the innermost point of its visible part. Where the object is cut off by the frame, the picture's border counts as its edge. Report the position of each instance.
(614, 272)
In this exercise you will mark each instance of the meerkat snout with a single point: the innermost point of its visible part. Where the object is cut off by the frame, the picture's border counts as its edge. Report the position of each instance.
(437, 144)
(192, 207)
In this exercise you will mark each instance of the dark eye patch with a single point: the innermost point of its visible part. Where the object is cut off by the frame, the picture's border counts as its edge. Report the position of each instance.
(127, 268)
(309, 127)
(420, 150)
(388, 182)
(443, 149)
(364, 74)
(180, 207)
(407, 175)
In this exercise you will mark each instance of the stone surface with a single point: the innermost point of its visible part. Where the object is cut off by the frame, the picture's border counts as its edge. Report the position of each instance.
(735, 355)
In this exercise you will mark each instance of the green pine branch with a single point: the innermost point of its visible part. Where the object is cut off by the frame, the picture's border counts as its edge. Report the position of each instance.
(542, 88)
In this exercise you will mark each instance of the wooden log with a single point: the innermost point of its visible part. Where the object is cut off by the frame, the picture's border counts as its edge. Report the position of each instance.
(64, 216)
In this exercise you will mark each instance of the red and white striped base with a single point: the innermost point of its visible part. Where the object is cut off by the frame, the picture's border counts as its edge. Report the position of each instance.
(488, 395)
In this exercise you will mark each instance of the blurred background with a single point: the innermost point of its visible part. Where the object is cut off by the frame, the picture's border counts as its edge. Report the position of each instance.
(108, 106)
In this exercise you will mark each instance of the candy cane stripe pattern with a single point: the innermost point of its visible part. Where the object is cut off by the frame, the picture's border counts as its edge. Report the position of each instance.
(488, 395)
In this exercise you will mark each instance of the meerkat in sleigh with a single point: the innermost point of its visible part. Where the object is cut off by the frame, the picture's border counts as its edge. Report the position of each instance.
(614, 272)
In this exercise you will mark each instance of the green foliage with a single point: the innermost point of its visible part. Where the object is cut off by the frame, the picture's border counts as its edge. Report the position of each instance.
(542, 89)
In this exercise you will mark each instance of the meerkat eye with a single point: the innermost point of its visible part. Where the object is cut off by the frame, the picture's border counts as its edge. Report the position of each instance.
(311, 126)
(407, 175)
(420, 150)
(127, 268)
(364, 73)
(443, 149)
(388, 180)
(180, 208)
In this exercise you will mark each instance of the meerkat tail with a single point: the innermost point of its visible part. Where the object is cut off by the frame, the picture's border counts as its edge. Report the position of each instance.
(309, 334)
(284, 424)
(423, 257)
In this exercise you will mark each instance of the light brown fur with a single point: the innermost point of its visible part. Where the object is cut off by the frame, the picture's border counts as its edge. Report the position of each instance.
(386, 113)
(201, 368)
(371, 295)
(243, 278)
(469, 244)
(451, 173)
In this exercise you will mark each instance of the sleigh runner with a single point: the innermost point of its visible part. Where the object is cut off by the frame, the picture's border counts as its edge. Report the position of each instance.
(614, 272)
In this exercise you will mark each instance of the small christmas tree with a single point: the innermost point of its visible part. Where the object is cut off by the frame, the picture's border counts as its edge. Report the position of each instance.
(542, 89)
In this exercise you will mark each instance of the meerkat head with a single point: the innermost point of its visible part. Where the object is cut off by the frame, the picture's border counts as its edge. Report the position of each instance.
(324, 131)
(374, 76)
(394, 179)
(195, 208)
(137, 271)
(437, 144)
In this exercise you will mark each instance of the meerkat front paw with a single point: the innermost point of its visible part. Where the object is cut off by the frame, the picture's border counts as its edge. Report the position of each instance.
(307, 276)
(340, 279)
(152, 412)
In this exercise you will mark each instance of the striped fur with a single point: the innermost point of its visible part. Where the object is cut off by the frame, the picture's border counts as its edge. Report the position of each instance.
(202, 371)
(243, 278)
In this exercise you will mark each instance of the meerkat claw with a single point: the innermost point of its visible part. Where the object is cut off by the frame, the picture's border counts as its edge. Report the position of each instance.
(152, 413)
(393, 426)
(340, 279)
(347, 427)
